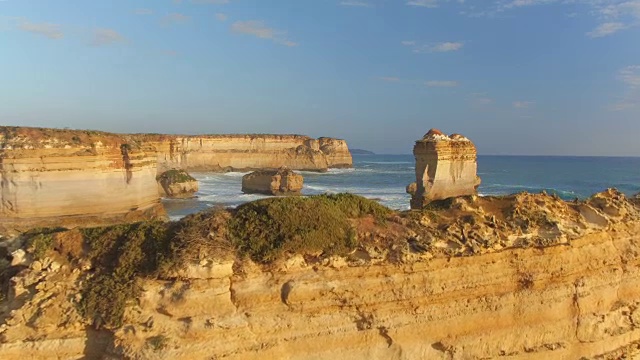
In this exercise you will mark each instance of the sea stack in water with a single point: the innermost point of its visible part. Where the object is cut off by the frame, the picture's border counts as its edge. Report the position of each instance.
(446, 166)
(272, 182)
(177, 184)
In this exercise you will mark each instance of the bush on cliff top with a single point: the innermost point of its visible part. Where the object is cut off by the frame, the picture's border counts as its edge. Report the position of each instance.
(267, 229)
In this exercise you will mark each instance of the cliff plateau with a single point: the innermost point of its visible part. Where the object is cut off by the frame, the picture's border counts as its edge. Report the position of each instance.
(526, 276)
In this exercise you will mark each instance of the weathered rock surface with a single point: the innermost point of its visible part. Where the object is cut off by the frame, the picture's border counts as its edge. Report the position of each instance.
(520, 277)
(272, 182)
(177, 184)
(446, 166)
(249, 152)
(55, 177)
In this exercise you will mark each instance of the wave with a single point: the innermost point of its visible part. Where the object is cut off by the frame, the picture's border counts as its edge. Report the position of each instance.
(386, 162)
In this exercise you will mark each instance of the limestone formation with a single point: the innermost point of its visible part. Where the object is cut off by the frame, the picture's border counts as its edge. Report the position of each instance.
(280, 182)
(177, 184)
(446, 167)
(524, 276)
(54, 177)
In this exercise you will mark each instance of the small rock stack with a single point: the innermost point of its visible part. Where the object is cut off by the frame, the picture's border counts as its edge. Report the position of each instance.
(272, 182)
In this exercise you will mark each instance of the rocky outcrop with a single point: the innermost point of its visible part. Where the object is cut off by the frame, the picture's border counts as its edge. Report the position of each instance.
(520, 277)
(249, 152)
(280, 182)
(177, 184)
(446, 167)
(57, 178)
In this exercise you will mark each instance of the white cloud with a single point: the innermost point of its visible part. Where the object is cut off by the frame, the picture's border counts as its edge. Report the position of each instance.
(481, 99)
(389, 78)
(221, 17)
(434, 47)
(354, 3)
(175, 18)
(51, 31)
(447, 46)
(102, 37)
(423, 3)
(606, 29)
(260, 30)
(630, 76)
(441, 83)
(143, 11)
(521, 3)
(522, 104)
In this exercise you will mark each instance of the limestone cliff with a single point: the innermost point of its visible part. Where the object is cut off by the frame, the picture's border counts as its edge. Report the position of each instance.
(519, 277)
(446, 166)
(57, 177)
(249, 152)
(177, 184)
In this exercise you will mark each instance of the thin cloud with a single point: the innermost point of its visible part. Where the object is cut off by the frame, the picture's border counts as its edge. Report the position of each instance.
(175, 19)
(630, 77)
(389, 78)
(221, 17)
(408, 42)
(260, 30)
(481, 99)
(606, 29)
(50, 31)
(353, 3)
(447, 46)
(143, 12)
(522, 104)
(212, 2)
(423, 3)
(103, 37)
(441, 83)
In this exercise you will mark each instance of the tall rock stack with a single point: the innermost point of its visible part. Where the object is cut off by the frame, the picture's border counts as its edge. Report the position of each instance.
(446, 166)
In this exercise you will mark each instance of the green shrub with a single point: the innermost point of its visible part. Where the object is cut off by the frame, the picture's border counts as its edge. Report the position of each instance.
(266, 229)
(39, 241)
(175, 176)
(119, 255)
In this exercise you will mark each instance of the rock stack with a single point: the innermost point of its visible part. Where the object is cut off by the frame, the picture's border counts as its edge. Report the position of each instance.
(177, 184)
(272, 182)
(446, 167)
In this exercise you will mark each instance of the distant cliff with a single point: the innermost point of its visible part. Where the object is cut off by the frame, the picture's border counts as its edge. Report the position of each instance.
(58, 177)
(248, 152)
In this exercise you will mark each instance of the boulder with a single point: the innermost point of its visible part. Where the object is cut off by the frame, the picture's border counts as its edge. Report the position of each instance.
(177, 184)
(446, 166)
(272, 182)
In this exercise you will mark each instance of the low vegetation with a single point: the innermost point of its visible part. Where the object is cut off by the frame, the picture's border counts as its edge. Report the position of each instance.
(175, 176)
(267, 229)
(264, 230)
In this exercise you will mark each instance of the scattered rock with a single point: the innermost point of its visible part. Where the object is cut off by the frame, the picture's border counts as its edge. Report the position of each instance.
(280, 182)
(177, 184)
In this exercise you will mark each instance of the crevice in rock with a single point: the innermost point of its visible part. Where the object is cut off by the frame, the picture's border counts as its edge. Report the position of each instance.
(124, 150)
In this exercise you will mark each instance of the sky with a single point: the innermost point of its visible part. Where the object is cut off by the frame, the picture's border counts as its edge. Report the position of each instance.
(519, 77)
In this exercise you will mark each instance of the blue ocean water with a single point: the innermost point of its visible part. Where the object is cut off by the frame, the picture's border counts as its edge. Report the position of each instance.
(384, 178)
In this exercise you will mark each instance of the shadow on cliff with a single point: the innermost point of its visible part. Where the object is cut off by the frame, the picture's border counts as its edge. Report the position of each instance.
(99, 345)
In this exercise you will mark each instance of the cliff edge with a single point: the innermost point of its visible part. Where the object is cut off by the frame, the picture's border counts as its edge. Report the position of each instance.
(526, 276)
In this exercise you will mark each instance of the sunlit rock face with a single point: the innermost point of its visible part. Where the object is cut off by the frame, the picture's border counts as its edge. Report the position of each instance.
(61, 177)
(446, 166)
(281, 182)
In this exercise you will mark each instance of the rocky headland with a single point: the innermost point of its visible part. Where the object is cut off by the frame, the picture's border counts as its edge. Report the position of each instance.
(177, 184)
(525, 276)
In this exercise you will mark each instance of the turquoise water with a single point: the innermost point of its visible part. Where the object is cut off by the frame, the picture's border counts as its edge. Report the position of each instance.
(384, 177)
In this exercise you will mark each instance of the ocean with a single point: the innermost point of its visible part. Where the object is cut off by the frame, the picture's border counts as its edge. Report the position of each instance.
(384, 178)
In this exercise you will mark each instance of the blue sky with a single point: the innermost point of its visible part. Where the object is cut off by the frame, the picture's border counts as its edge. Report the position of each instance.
(548, 77)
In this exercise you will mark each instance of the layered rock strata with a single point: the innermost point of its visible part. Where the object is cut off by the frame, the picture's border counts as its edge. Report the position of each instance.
(57, 177)
(280, 182)
(177, 184)
(446, 166)
(519, 277)
(249, 152)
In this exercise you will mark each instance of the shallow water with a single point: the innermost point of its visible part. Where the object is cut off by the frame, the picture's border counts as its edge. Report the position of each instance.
(384, 178)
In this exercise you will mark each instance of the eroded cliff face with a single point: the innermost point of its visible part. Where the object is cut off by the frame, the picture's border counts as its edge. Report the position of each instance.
(519, 277)
(55, 177)
(249, 152)
(446, 166)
